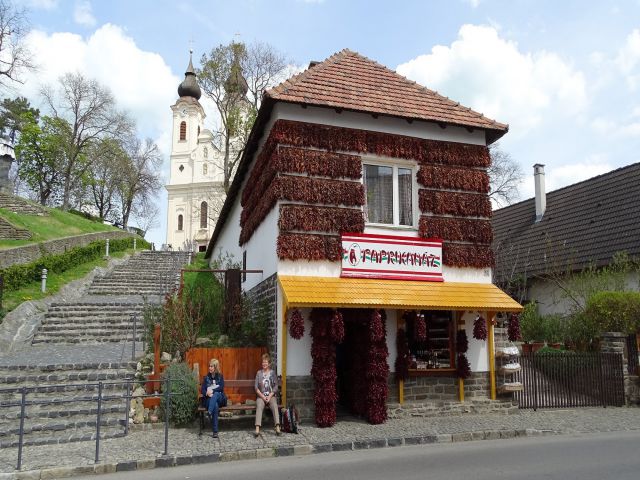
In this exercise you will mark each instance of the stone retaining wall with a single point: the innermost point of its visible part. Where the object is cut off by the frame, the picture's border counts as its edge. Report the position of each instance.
(266, 294)
(31, 253)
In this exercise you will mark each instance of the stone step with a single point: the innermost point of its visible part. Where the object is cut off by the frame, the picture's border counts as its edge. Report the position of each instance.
(119, 323)
(88, 340)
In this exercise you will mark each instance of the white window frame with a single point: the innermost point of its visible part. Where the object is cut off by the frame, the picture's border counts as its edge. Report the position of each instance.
(395, 164)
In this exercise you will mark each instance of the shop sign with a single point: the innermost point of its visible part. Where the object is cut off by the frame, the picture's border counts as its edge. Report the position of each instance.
(391, 257)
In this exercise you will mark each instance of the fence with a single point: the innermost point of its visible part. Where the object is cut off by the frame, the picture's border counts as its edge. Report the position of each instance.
(235, 363)
(101, 398)
(632, 351)
(571, 379)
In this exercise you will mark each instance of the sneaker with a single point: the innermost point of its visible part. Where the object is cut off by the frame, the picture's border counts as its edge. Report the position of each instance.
(278, 431)
(215, 434)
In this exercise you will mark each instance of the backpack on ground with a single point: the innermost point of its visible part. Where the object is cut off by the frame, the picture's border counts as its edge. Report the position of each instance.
(289, 419)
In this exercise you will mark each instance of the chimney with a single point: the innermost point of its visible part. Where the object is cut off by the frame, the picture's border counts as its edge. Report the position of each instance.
(541, 196)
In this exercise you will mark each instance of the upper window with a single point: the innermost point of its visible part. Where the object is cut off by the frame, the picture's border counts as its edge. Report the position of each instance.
(205, 168)
(183, 130)
(388, 194)
(205, 152)
(179, 222)
(203, 214)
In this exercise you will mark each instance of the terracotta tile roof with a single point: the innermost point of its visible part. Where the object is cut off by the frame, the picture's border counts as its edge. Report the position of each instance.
(350, 81)
(584, 223)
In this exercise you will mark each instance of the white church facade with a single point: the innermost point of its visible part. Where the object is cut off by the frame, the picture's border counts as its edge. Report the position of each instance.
(195, 189)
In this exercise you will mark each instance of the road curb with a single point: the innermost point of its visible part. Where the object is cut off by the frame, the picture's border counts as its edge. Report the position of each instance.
(284, 451)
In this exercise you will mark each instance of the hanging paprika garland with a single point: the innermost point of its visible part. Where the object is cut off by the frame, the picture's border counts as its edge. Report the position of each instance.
(337, 327)
(463, 369)
(513, 329)
(377, 369)
(420, 328)
(323, 367)
(480, 328)
(462, 343)
(296, 324)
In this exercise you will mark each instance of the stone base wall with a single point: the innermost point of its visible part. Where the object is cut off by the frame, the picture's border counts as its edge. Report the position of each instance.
(478, 385)
(418, 389)
(265, 295)
(300, 394)
(632, 389)
(31, 253)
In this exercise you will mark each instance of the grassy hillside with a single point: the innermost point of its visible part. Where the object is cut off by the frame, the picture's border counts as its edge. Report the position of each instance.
(57, 224)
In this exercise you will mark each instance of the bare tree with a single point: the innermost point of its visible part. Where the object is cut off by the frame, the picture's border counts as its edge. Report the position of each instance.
(505, 176)
(147, 214)
(229, 73)
(139, 179)
(106, 162)
(14, 55)
(90, 109)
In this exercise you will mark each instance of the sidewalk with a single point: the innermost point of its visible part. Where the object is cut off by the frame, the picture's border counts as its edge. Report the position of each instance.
(144, 448)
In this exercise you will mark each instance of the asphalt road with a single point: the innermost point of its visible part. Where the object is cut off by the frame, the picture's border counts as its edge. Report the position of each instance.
(586, 457)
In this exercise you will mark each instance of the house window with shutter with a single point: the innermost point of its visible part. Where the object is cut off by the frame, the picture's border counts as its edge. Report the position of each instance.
(388, 194)
(203, 214)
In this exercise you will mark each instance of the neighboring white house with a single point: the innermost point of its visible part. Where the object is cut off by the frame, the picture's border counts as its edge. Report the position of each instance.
(565, 231)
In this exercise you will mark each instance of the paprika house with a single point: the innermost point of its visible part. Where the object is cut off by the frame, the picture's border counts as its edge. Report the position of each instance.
(362, 197)
(539, 240)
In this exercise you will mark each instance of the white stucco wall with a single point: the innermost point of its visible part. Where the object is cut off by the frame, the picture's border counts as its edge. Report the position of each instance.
(259, 248)
(478, 349)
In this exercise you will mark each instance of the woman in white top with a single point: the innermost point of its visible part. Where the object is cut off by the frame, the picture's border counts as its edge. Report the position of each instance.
(266, 386)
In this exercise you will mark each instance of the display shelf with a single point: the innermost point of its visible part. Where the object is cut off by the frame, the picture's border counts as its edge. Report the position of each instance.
(510, 388)
(509, 371)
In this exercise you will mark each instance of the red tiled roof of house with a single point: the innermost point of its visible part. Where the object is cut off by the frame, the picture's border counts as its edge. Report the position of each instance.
(350, 81)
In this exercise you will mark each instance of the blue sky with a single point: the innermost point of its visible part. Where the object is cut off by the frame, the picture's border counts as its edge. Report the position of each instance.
(564, 75)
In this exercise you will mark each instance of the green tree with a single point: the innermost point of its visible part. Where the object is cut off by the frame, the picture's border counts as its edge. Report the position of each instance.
(107, 159)
(41, 153)
(12, 116)
(90, 110)
(234, 77)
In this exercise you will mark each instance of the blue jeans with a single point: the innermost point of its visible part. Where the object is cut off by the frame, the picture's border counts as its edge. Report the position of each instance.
(214, 403)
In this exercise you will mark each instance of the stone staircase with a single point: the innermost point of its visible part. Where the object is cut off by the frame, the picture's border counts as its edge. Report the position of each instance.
(20, 205)
(61, 402)
(79, 344)
(11, 232)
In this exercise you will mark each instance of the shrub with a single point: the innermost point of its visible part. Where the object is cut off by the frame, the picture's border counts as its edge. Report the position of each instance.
(184, 394)
(531, 325)
(614, 311)
(17, 276)
(582, 331)
(554, 328)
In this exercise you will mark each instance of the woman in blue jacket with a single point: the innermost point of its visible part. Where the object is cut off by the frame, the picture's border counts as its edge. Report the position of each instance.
(213, 393)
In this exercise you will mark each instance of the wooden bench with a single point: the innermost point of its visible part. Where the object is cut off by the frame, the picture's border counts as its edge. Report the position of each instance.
(245, 385)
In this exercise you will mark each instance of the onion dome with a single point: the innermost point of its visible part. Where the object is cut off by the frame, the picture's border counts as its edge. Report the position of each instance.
(189, 86)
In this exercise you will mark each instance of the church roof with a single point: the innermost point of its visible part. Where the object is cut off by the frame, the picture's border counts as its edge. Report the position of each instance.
(189, 86)
(350, 81)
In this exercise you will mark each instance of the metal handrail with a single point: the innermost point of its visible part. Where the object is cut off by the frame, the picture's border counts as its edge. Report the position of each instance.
(100, 398)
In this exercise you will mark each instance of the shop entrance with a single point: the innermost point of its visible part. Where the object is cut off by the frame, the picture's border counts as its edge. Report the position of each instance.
(361, 365)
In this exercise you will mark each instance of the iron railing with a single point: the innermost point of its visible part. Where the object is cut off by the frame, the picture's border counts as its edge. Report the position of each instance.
(571, 379)
(99, 399)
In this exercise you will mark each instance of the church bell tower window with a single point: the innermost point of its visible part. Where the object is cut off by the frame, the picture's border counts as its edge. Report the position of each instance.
(179, 222)
(203, 214)
(183, 130)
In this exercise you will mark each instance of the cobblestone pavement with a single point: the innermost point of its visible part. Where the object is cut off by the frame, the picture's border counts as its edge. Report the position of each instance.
(144, 448)
(54, 354)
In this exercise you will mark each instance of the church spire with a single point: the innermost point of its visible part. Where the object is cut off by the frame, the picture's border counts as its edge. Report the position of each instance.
(189, 86)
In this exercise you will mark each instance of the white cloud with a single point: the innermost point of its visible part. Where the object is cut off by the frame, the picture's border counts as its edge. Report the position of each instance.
(628, 59)
(473, 3)
(141, 81)
(491, 75)
(83, 15)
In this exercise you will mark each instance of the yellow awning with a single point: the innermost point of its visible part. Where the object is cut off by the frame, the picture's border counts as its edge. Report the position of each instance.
(394, 294)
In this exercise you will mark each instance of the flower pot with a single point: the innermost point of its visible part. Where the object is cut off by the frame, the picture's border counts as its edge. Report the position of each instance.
(526, 348)
(535, 346)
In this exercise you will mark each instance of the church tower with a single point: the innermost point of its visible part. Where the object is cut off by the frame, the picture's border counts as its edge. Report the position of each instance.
(195, 186)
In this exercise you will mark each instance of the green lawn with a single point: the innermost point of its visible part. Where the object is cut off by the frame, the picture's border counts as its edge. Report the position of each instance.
(11, 299)
(57, 224)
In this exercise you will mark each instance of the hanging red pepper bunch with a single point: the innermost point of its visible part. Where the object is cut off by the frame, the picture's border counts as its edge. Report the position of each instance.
(475, 256)
(513, 329)
(420, 328)
(463, 369)
(376, 327)
(337, 327)
(459, 204)
(403, 355)
(323, 369)
(296, 324)
(462, 343)
(377, 369)
(480, 328)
